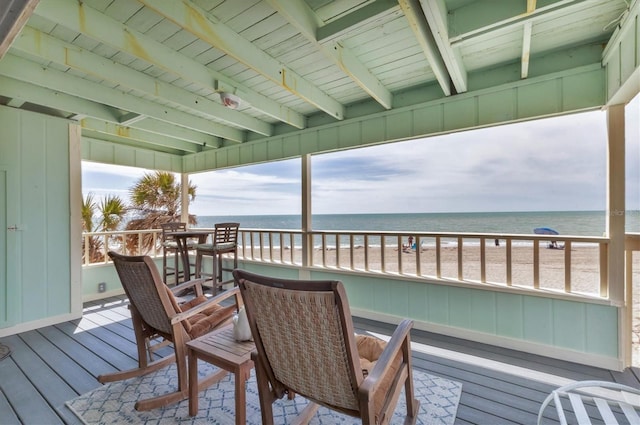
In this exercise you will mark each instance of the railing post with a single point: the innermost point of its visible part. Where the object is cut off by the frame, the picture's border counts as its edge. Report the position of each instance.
(483, 260)
(307, 237)
(509, 257)
(536, 264)
(615, 225)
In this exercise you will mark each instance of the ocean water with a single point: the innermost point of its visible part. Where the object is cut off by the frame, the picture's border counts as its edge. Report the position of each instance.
(574, 223)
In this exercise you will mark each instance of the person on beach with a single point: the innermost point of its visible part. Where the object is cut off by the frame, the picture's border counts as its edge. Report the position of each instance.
(407, 247)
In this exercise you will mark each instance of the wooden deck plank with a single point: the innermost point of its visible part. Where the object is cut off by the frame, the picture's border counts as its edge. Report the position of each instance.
(66, 369)
(494, 395)
(87, 359)
(111, 353)
(103, 340)
(26, 401)
(6, 412)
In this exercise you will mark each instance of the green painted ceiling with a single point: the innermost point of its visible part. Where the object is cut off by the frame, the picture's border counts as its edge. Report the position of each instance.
(149, 73)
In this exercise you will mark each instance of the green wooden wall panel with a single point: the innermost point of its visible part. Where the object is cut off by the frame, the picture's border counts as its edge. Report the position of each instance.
(201, 161)
(398, 301)
(33, 155)
(291, 146)
(246, 152)
(57, 218)
(622, 55)
(124, 155)
(510, 315)
(4, 274)
(531, 319)
(613, 73)
(327, 138)
(539, 99)
(628, 55)
(438, 298)
(98, 151)
(40, 158)
(574, 98)
(372, 130)
(233, 158)
(350, 134)
(143, 161)
(418, 301)
(460, 113)
(569, 325)
(483, 312)
(274, 148)
(310, 145)
(538, 320)
(459, 307)
(108, 153)
(600, 321)
(429, 120)
(399, 125)
(636, 37)
(382, 294)
(11, 295)
(496, 107)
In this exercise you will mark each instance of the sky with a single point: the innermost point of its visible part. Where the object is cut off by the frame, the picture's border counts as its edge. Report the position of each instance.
(555, 164)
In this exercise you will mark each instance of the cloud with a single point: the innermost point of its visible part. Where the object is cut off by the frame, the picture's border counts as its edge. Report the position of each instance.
(259, 189)
(550, 164)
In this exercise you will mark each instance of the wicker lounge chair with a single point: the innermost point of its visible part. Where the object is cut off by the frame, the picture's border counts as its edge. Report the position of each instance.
(306, 346)
(157, 316)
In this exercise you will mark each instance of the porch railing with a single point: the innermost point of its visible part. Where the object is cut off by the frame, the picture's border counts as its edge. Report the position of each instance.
(577, 266)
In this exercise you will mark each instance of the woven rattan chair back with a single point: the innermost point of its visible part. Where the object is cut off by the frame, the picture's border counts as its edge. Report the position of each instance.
(144, 288)
(306, 346)
(302, 333)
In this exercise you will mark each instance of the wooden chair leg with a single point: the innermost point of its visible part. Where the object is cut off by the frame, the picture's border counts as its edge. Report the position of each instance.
(214, 274)
(164, 264)
(264, 394)
(198, 264)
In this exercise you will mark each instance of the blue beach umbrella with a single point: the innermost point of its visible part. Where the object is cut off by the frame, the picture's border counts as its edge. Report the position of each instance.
(545, 231)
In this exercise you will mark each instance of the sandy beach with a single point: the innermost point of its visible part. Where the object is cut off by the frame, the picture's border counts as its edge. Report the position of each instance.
(584, 264)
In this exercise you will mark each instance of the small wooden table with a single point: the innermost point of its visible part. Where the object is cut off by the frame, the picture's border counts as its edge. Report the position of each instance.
(220, 348)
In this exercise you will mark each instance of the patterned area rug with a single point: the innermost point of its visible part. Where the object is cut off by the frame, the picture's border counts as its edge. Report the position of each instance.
(113, 403)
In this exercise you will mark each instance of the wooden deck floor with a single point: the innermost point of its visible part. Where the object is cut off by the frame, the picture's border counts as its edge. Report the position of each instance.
(54, 364)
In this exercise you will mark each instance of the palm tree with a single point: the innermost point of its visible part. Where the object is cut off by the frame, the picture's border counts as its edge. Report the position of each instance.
(110, 212)
(155, 199)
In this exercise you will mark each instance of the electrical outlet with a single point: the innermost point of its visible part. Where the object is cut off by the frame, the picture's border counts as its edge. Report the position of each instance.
(102, 287)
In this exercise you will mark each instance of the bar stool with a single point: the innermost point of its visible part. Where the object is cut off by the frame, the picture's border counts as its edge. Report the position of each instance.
(225, 241)
(170, 247)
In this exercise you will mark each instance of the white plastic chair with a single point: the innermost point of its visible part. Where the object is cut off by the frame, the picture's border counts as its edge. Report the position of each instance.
(607, 397)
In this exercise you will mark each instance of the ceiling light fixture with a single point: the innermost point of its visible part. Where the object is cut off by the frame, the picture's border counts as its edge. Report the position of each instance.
(230, 100)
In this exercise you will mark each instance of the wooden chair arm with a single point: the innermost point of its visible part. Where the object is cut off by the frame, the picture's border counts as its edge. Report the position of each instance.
(188, 284)
(213, 301)
(399, 339)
